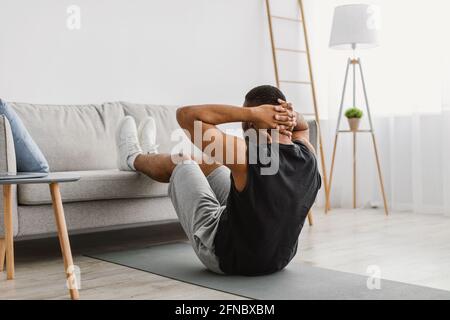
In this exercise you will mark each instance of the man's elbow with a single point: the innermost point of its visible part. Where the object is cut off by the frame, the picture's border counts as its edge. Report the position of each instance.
(184, 116)
(304, 125)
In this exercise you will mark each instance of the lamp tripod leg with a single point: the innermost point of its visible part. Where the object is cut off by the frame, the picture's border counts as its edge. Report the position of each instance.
(377, 158)
(380, 175)
(354, 170)
(341, 108)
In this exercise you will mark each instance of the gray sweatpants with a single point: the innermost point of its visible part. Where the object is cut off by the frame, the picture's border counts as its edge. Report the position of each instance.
(199, 202)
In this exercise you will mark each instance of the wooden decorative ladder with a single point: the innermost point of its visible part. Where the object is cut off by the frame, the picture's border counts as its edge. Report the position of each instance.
(280, 82)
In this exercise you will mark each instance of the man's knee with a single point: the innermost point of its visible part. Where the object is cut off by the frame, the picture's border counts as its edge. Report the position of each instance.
(180, 158)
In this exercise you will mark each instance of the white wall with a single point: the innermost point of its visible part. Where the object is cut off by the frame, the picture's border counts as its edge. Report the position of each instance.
(155, 51)
(194, 51)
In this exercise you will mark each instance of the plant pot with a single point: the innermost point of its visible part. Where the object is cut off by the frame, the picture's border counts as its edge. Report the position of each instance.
(353, 123)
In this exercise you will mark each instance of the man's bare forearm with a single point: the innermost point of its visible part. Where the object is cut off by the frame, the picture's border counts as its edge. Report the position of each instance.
(263, 117)
(214, 114)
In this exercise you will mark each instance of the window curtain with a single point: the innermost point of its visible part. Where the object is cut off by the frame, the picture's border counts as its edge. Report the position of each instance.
(415, 159)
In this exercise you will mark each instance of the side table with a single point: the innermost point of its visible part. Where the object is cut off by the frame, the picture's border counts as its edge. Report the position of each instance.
(7, 249)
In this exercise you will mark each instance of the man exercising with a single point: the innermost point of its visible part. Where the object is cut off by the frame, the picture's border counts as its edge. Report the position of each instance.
(242, 214)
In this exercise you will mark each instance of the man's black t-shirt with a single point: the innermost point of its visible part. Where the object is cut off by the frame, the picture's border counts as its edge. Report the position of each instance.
(259, 229)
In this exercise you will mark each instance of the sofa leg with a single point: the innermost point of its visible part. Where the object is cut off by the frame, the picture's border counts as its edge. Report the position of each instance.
(2, 254)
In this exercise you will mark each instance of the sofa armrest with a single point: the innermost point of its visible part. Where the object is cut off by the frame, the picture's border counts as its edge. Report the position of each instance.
(7, 163)
(313, 132)
(7, 151)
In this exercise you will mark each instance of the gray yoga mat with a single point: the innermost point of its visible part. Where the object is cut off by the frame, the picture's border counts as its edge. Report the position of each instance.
(297, 282)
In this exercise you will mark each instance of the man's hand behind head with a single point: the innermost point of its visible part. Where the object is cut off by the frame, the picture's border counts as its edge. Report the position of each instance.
(272, 117)
(287, 131)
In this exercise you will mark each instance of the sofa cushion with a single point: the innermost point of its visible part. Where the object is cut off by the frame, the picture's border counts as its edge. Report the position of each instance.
(96, 185)
(29, 156)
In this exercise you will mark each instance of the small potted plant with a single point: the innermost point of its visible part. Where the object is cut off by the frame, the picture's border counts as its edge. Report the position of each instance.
(354, 116)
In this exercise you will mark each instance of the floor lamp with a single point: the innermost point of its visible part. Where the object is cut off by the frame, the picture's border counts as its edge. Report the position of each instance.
(355, 27)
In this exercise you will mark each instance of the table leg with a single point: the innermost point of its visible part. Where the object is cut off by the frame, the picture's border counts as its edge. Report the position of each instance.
(64, 240)
(2, 254)
(8, 221)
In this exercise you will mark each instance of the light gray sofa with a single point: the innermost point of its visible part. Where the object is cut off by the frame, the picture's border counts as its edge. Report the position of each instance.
(81, 139)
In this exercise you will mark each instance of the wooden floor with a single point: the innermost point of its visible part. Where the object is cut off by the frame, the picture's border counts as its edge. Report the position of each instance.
(406, 247)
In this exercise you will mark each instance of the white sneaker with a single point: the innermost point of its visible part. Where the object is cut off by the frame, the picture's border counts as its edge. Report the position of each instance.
(127, 142)
(147, 136)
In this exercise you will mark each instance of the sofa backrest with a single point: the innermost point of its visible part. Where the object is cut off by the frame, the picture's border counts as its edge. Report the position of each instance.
(82, 137)
(166, 122)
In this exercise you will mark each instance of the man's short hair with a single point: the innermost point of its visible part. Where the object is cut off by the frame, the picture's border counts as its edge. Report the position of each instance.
(263, 95)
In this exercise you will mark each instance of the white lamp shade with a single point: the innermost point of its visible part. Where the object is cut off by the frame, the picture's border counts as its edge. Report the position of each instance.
(355, 26)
